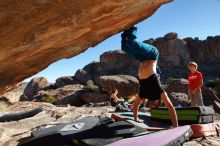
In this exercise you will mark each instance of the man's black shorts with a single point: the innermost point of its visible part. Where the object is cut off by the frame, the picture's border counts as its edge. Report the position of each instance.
(150, 88)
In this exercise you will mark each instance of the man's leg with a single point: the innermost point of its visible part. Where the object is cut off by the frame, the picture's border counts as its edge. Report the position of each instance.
(171, 109)
(136, 108)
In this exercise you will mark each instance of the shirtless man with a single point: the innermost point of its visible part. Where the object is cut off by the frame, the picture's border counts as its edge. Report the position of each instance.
(150, 87)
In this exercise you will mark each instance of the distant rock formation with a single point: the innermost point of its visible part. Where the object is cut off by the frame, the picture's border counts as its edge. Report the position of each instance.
(34, 34)
(113, 63)
(177, 52)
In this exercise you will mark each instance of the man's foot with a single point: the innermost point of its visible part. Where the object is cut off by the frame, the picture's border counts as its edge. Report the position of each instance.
(139, 121)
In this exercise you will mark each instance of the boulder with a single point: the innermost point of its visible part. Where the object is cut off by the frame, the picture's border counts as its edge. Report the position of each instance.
(15, 94)
(70, 94)
(150, 41)
(112, 63)
(171, 36)
(34, 86)
(82, 76)
(94, 97)
(159, 39)
(118, 62)
(178, 86)
(67, 80)
(96, 68)
(126, 85)
(39, 33)
(179, 99)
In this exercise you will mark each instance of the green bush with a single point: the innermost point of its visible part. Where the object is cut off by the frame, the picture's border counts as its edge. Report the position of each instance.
(91, 85)
(49, 99)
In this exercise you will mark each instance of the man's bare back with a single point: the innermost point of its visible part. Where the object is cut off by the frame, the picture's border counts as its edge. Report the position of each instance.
(147, 68)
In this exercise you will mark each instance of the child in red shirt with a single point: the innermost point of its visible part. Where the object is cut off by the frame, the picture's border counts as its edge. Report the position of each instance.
(195, 83)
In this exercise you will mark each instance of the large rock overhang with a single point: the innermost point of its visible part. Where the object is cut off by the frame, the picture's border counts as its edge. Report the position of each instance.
(36, 33)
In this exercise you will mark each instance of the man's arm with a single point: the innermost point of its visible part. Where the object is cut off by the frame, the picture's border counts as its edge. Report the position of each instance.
(115, 97)
(171, 109)
(136, 108)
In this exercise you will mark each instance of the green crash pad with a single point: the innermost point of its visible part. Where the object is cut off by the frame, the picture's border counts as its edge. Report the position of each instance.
(186, 115)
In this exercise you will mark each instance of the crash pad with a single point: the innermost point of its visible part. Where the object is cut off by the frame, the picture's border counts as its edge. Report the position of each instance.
(170, 137)
(148, 123)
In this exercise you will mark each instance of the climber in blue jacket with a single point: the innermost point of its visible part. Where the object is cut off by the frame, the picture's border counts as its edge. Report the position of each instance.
(150, 86)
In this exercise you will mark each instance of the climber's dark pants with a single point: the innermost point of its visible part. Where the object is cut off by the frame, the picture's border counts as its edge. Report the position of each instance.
(138, 50)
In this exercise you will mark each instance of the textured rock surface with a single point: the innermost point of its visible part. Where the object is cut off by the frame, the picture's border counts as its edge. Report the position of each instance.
(11, 133)
(67, 80)
(179, 99)
(173, 52)
(111, 63)
(94, 97)
(82, 76)
(177, 52)
(39, 33)
(72, 97)
(34, 86)
(126, 85)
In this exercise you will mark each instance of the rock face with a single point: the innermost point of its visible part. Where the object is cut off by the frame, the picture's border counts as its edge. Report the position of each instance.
(177, 52)
(34, 86)
(212, 48)
(112, 63)
(173, 52)
(39, 33)
(126, 85)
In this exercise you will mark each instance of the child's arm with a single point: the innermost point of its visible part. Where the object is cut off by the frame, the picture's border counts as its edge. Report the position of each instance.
(116, 98)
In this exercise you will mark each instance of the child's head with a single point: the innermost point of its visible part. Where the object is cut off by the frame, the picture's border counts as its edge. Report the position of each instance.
(192, 66)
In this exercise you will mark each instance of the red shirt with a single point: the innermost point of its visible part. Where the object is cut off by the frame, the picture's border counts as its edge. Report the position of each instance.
(195, 80)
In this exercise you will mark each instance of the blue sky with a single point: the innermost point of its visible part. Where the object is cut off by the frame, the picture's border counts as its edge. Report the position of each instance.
(194, 18)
